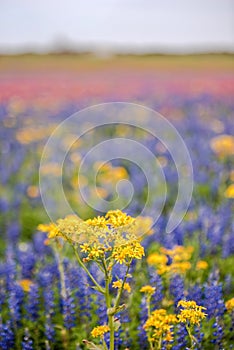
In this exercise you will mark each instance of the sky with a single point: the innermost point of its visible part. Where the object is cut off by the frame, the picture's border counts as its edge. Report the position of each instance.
(117, 25)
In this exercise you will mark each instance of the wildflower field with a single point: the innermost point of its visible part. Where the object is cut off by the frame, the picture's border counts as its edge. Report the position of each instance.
(114, 280)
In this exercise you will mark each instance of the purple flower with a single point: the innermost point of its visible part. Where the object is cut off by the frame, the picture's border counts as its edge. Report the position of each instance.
(27, 343)
(32, 304)
(6, 336)
(213, 301)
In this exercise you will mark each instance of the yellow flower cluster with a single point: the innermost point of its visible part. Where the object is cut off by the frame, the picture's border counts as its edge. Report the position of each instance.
(223, 145)
(125, 253)
(191, 312)
(111, 236)
(159, 325)
(148, 290)
(99, 221)
(118, 285)
(230, 305)
(179, 257)
(116, 218)
(99, 331)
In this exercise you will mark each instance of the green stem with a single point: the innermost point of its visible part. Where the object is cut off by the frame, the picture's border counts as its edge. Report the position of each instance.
(160, 343)
(111, 316)
(61, 273)
(149, 313)
(122, 287)
(104, 344)
(191, 337)
(99, 288)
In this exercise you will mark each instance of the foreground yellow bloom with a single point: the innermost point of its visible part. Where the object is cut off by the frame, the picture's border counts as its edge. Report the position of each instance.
(148, 289)
(99, 331)
(124, 253)
(191, 312)
(230, 305)
(117, 218)
(229, 193)
(111, 236)
(98, 221)
(118, 285)
(223, 145)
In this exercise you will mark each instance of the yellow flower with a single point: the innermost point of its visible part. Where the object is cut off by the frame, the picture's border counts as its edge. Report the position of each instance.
(95, 252)
(179, 257)
(51, 229)
(98, 221)
(111, 237)
(201, 265)
(223, 145)
(85, 248)
(117, 218)
(159, 324)
(99, 331)
(25, 284)
(229, 193)
(118, 285)
(123, 253)
(230, 305)
(191, 312)
(180, 267)
(147, 289)
(157, 259)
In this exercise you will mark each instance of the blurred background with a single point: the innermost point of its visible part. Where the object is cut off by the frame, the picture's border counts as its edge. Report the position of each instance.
(58, 57)
(110, 26)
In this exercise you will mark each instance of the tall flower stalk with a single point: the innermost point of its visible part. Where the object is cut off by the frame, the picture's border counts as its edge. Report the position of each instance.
(106, 241)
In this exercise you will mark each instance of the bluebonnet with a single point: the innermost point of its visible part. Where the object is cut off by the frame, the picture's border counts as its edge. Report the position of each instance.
(45, 278)
(196, 293)
(143, 317)
(217, 333)
(40, 249)
(49, 328)
(83, 297)
(7, 338)
(27, 343)
(15, 302)
(155, 281)
(32, 304)
(101, 307)
(10, 268)
(68, 306)
(27, 261)
(213, 300)
(177, 288)
(199, 335)
(4, 205)
(13, 232)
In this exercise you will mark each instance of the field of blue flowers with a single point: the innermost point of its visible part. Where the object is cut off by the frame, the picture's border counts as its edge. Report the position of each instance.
(159, 291)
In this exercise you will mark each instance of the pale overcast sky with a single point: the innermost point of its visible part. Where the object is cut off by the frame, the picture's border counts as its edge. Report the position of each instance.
(164, 25)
